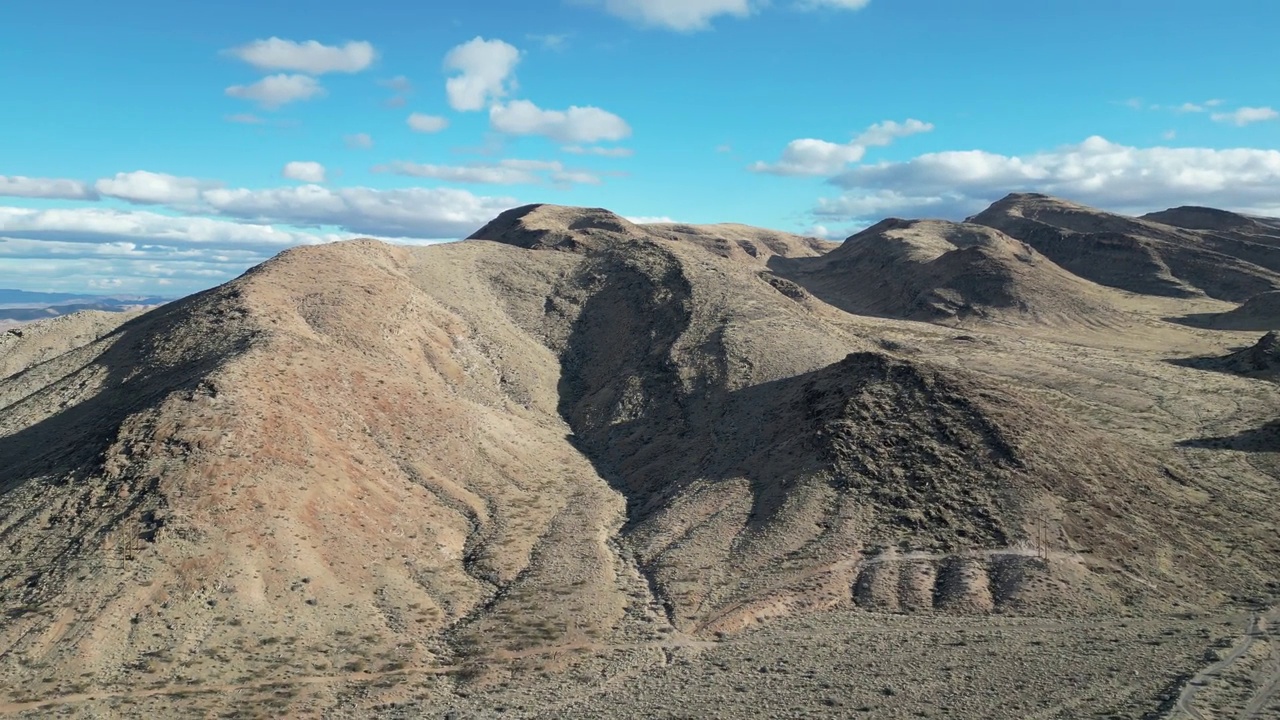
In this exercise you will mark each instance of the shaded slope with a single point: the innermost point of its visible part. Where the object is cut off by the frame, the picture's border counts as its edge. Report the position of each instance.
(941, 271)
(1260, 360)
(1260, 312)
(1135, 254)
(37, 342)
(743, 242)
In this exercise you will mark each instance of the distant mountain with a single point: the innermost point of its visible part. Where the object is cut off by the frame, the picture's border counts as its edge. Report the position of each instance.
(1259, 229)
(21, 306)
(14, 297)
(935, 270)
(28, 298)
(1141, 255)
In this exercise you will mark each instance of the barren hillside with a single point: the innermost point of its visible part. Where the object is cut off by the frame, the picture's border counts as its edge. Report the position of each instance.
(938, 271)
(571, 448)
(1137, 254)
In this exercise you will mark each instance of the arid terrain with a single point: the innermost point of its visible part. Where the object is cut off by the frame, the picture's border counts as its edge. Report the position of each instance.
(1023, 466)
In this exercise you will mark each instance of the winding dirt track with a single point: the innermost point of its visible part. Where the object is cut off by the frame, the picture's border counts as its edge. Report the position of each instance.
(1255, 629)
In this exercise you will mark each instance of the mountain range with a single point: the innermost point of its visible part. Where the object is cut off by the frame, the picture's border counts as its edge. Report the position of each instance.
(513, 470)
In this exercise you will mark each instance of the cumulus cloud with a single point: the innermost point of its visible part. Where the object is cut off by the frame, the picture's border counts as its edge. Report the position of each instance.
(1095, 172)
(649, 219)
(579, 125)
(425, 213)
(598, 151)
(149, 188)
(419, 122)
(1246, 115)
(833, 4)
(680, 15)
(304, 171)
(358, 141)
(48, 188)
(98, 225)
(483, 70)
(222, 231)
(309, 57)
(884, 133)
(274, 91)
(408, 213)
(85, 249)
(694, 15)
(810, 156)
(503, 172)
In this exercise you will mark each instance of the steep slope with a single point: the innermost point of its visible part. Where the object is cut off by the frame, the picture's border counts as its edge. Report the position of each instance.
(936, 271)
(251, 479)
(34, 343)
(1134, 254)
(1260, 360)
(1260, 312)
(744, 242)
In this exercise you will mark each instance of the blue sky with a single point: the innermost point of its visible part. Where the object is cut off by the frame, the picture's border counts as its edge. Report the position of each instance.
(161, 147)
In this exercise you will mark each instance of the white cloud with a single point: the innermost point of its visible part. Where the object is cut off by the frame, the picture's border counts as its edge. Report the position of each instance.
(826, 232)
(76, 249)
(274, 91)
(810, 156)
(1095, 172)
(50, 188)
(359, 141)
(1169, 134)
(245, 119)
(549, 41)
(484, 69)
(1246, 115)
(503, 172)
(884, 133)
(433, 213)
(309, 57)
(649, 220)
(419, 122)
(97, 225)
(149, 188)
(304, 171)
(566, 178)
(614, 152)
(833, 4)
(575, 125)
(681, 15)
